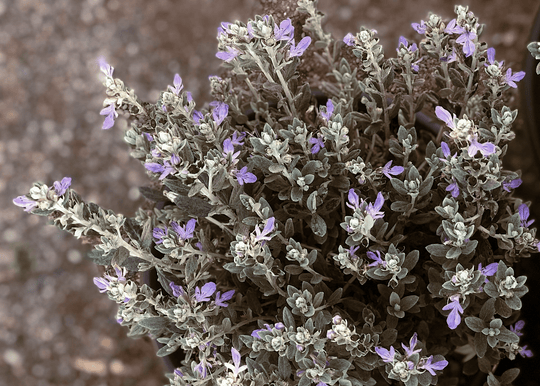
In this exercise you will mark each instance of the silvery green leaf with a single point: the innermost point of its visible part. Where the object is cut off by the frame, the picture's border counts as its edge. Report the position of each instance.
(154, 323)
(318, 225)
(119, 256)
(288, 319)
(193, 206)
(99, 257)
(166, 350)
(293, 269)
(312, 202)
(296, 194)
(474, 323)
(399, 186)
(408, 302)
(289, 228)
(438, 249)
(191, 266)
(152, 194)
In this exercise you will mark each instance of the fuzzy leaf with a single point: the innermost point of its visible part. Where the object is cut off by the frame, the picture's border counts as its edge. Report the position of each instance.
(154, 323)
(193, 206)
(318, 225)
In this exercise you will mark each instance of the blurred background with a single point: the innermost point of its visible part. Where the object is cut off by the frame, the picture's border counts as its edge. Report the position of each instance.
(55, 327)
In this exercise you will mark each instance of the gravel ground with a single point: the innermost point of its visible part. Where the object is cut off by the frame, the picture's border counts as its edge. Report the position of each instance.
(55, 327)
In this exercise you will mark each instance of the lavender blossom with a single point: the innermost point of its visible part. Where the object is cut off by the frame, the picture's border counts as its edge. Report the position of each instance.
(403, 41)
(155, 167)
(197, 116)
(176, 289)
(377, 257)
(228, 55)
(524, 215)
(243, 176)
(317, 143)
(203, 294)
(412, 344)
(525, 353)
(329, 110)
(221, 298)
(511, 79)
(25, 202)
(220, 112)
(516, 328)
(512, 184)
(111, 115)
(269, 227)
(201, 368)
(159, 234)
(444, 115)
(178, 86)
(354, 201)
(236, 139)
(185, 232)
(105, 67)
(389, 171)
(466, 38)
(429, 366)
(349, 39)
(445, 149)
(61, 187)
(387, 356)
(102, 283)
(228, 148)
(420, 28)
(236, 369)
(491, 58)
(454, 318)
(298, 50)
(285, 30)
(486, 148)
(148, 137)
(452, 57)
(453, 188)
(374, 210)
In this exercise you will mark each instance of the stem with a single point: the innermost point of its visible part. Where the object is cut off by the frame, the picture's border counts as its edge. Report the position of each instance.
(283, 83)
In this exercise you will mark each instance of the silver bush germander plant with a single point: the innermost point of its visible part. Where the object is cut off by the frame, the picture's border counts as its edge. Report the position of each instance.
(303, 227)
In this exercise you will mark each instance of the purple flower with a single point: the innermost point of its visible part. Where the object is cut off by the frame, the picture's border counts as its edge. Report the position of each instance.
(269, 227)
(102, 283)
(449, 58)
(159, 234)
(377, 257)
(111, 114)
(374, 209)
(105, 67)
(189, 96)
(201, 368)
(349, 39)
(228, 55)
(412, 344)
(223, 298)
(197, 116)
(484, 148)
(420, 28)
(453, 188)
(236, 360)
(512, 184)
(61, 187)
(236, 139)
(317, 143)
(285, 30)
(353, 199)
(178, 86)
(524, 215)
(403, 41)
(329, 110)
(454, 318)
(511, 79)
(203, 294)
(525, 353)
(489, 270)
(220, 112)
(466, 38)
(155, 167)
(445, 149)
(491, 58)
(298, 50)
(185, 232)
(223, 29)
(178, 373)
(433, 366)
(389, 171)
(176, 289)
(25, 202)
(516, 328)
(445, 116)
(243, 176)
(387, 356)
(228, 148)
(148, 137)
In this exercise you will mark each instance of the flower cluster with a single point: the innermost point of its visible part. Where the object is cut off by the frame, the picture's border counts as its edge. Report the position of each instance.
(308, 220)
